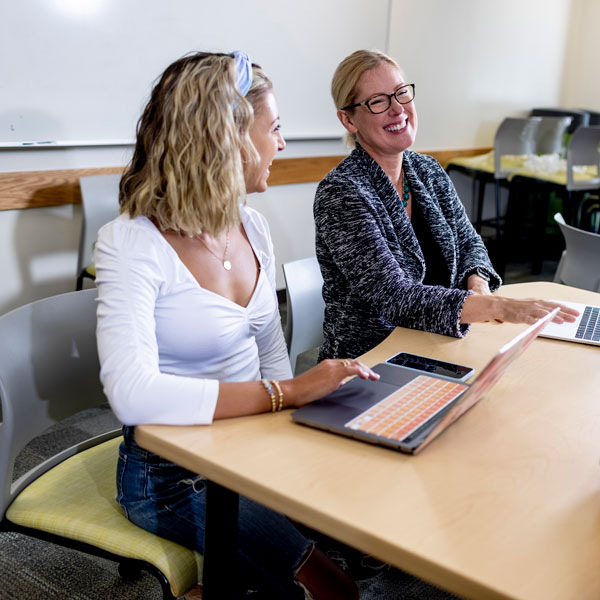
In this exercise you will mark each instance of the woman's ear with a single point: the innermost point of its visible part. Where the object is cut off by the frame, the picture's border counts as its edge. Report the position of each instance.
(346, 120)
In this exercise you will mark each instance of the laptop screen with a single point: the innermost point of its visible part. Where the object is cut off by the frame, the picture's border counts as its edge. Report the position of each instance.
(490, 374)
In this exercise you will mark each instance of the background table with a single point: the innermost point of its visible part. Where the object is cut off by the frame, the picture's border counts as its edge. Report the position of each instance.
(504, 504)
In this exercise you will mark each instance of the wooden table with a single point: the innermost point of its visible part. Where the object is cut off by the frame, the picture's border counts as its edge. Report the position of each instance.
(504, 504)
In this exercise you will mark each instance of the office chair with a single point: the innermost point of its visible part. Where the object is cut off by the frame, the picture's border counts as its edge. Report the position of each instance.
(583, 151)
(514, 139)
(588, 213)
(551, 135)
(579, 265)
(100, 203)
(49, 370)
(578, 117)
(594, 117)
(305, 306)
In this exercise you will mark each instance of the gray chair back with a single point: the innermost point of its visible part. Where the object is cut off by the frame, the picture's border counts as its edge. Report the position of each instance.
(578, 117)
(579, 265)
(583, 149)
(305, 306)
(100, 203)
(514, 136)
(49, 370)
(550, 137)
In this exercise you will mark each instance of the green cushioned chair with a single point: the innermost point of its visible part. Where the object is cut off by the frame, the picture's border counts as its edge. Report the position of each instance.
(49, 371)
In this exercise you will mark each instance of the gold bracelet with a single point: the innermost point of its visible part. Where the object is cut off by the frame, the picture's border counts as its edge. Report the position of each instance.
(279, 393)
(269, 387)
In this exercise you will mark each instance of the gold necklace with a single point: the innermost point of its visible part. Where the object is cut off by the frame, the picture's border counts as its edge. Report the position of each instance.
(226, 263)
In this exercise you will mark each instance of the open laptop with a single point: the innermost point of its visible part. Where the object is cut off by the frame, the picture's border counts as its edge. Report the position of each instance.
(585, 329)
(406, 409)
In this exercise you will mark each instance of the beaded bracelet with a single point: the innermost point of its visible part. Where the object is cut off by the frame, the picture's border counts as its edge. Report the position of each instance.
(279, 393)
(269, 387)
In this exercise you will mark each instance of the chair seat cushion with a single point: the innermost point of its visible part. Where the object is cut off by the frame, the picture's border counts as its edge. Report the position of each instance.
(76, 500)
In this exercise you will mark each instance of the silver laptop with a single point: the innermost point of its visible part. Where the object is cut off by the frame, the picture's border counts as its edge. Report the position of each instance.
(406, 409)
(585, 330)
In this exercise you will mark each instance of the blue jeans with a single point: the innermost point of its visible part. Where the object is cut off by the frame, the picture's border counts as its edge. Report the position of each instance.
(170, 501)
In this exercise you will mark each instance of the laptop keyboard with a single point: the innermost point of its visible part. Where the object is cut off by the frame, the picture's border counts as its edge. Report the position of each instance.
(401, 413)
(589, 326)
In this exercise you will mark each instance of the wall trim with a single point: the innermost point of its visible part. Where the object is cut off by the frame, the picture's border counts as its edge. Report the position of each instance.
(33, 189)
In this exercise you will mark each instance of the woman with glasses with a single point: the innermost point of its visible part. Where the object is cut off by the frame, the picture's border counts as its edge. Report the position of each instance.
(393, 240)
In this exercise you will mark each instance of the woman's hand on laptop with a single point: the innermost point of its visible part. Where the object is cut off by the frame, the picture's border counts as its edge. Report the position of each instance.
(323, 379)
(478, 308)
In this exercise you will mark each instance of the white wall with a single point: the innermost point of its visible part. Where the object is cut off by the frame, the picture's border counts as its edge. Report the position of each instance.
(580, 80)
(473, 61)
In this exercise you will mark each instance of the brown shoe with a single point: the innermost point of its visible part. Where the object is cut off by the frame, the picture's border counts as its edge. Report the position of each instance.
(194, 594)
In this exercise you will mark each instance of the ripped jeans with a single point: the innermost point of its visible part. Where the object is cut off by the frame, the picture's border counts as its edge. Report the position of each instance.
(170, 501)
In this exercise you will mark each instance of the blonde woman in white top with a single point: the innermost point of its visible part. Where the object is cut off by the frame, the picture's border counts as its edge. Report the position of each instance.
(188, 322)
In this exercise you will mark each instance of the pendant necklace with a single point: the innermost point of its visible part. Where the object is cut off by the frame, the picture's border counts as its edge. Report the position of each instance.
(405, 190)
(224, 261)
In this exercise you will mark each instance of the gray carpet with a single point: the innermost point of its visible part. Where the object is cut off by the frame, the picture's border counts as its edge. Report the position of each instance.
(32, 569)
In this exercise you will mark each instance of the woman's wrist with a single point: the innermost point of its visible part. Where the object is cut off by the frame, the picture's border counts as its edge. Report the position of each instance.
(480, 307)
(478, 284)
(288, 389)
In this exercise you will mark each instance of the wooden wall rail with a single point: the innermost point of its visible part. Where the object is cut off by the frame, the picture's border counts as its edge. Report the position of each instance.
(32, 189)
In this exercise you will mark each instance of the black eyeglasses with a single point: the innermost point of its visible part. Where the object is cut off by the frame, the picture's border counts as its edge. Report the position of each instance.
(381, 102)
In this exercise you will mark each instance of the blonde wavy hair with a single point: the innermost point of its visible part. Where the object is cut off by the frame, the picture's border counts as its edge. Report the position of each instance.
(193, 146)
(346, 77)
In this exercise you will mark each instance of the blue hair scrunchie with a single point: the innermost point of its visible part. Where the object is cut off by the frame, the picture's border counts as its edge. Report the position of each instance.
(243, 72)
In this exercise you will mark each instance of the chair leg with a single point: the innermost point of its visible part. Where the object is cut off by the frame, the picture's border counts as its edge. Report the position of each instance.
(500, 258)
(131, 569)
(541, 201)
(480, 200)
(83, 275)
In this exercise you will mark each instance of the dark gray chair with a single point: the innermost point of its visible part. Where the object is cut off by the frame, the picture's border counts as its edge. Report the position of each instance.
(583, 151)
(578, 117)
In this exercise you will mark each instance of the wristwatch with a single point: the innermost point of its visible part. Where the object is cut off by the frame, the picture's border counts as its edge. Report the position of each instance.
(481, 272)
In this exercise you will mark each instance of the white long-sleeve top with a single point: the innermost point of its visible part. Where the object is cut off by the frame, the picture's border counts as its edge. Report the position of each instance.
(165, 342)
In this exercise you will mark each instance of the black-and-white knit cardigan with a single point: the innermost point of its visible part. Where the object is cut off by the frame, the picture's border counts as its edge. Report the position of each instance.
(371, 261)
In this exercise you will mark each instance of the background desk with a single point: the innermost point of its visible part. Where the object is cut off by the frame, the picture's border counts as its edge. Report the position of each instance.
(505, 504)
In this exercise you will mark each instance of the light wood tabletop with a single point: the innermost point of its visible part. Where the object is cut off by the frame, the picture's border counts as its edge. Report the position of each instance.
(504, 504)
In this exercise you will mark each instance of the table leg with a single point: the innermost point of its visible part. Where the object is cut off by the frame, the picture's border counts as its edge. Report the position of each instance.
(541, 202)
(480, 200)
(220, 542)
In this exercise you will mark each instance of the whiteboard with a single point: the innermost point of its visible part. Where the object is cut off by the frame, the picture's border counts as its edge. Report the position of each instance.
(81, 70)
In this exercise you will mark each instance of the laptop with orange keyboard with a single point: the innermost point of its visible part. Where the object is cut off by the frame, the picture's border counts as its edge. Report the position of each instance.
(405, 409)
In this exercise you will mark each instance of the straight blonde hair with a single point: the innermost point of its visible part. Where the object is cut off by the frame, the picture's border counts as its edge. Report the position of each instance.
(192, 147)
(347, 75)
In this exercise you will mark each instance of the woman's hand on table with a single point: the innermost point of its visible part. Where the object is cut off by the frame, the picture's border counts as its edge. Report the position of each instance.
(323, 379)
(479, 308)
